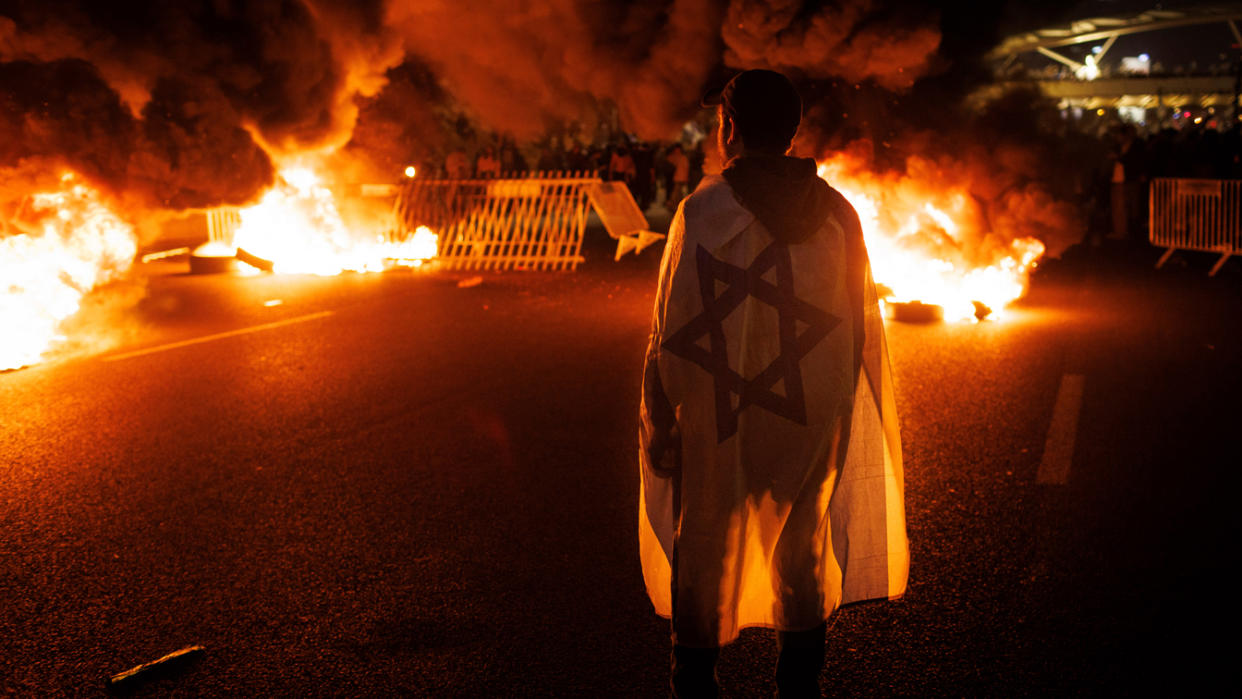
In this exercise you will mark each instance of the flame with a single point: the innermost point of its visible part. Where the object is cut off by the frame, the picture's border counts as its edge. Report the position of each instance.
(927, 241)
(298, 228)
(54, 249)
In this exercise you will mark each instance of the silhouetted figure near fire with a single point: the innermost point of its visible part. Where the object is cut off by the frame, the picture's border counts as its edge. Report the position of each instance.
(621, 165)
(511, 160)
(680, 177)
(644, 158)
(487, 165)
(770, 457)
(597, 159)
(697, 159)
(1125, 160)
(576, 159)
(550, 160)
(456, 165)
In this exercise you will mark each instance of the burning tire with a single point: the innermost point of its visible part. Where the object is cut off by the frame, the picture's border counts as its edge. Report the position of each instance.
(913, 311)
(213, 258)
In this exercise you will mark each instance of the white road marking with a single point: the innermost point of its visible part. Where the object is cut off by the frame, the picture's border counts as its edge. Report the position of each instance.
(218, 336)
(1059, 449)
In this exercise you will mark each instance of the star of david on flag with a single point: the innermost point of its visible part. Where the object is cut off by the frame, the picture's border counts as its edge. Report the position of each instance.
(742, 283)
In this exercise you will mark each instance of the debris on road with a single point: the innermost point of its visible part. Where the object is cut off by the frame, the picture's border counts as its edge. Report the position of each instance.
(255, 261)
(173, 662)
(469, 282)
(913, 311)
(164, 254)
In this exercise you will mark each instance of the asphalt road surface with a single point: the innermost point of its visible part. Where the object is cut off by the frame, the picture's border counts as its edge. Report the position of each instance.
(393, 485)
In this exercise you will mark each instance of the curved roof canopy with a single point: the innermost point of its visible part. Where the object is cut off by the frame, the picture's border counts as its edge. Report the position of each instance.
(1097, 28)
(1091, 87)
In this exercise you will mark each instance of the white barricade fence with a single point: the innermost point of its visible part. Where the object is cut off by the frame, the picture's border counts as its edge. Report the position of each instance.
(527, 222)
(531, 221)
(222, 223)
(1196, 214)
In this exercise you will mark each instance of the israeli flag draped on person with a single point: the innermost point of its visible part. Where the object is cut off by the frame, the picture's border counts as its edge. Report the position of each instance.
(770, 459)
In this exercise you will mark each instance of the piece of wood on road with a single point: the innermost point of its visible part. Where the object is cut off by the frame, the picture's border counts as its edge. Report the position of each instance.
(160, 667)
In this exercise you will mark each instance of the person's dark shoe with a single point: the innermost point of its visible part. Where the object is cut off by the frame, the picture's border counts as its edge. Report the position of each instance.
(799, 663)
(694, 673)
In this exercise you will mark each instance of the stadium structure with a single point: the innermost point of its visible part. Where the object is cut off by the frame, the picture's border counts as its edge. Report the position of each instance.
(1156, 69)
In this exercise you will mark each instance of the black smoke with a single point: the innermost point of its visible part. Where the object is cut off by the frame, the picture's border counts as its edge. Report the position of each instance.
(193, 104)
(181, 105)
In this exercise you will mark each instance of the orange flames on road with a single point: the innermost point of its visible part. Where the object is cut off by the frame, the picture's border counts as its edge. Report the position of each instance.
(54, 248)
(928, 241)
(299, 229)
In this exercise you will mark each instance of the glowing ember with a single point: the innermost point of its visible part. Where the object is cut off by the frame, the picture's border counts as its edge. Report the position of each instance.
(54, 248)
(297, 227)
(928, 242)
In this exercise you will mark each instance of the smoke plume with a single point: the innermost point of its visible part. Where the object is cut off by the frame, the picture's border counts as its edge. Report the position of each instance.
(853, 41)
(520, 66)
(180, 105)
(191, 105)
(185, 105)
(523, 66)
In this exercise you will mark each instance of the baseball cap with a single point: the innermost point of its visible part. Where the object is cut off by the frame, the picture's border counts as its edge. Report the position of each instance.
(763, 103)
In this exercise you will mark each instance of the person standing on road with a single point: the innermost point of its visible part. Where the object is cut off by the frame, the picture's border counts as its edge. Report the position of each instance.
(487, 165)
(621, 165)
(644, 164)
(456, 166)
(770, 459)
(680, 176)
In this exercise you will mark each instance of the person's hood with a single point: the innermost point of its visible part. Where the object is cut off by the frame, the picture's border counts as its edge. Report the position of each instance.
(784, 193)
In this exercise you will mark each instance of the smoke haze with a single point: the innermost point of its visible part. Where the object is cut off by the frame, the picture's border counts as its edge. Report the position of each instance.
(181, 105)
(186, 105)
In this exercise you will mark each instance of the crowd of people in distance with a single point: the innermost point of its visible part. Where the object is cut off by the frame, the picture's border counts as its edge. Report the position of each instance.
(1053, 70)
(1115, 192)
(1121, 160)
(655, 173)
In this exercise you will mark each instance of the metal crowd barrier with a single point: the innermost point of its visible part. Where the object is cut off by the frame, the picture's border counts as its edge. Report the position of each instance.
(532, 222)
(222, 223)
(529, 221)
(1191, 214)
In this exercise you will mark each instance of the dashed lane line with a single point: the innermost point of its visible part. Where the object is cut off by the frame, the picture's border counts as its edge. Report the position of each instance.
(1054, 468)
(218, 336)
